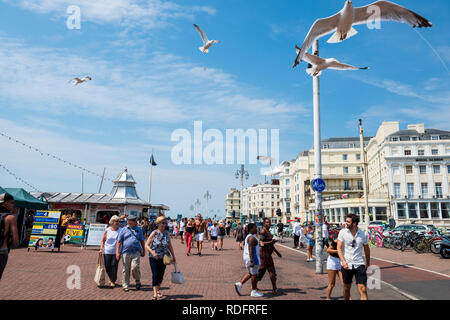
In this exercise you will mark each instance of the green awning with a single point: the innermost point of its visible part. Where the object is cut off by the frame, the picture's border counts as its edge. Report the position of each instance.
(23, 199)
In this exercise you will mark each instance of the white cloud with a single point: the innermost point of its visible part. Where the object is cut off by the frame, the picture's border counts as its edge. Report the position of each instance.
(126, 13)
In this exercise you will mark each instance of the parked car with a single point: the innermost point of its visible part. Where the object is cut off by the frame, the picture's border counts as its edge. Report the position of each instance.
(418, 228)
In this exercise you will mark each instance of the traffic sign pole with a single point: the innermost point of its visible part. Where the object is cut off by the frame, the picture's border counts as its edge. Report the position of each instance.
(317, 166)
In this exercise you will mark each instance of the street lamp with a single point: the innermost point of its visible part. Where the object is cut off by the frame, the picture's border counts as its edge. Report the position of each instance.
(207, 196)
(241, 173)
(197, 205)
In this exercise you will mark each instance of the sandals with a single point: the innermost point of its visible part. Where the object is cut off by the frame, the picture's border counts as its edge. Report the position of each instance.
(155, 298)
(159, 295)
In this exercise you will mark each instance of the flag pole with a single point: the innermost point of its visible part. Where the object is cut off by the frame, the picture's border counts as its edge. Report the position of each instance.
(150, 185)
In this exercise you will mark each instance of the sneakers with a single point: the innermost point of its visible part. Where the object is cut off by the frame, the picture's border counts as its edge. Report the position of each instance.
(256, 293)
(238, 287)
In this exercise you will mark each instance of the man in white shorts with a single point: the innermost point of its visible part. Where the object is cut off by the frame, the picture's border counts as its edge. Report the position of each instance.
(200, 229)
(252, 261)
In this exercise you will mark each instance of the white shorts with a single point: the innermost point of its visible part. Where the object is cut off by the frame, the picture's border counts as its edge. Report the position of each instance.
(333, 263)
(200, 236)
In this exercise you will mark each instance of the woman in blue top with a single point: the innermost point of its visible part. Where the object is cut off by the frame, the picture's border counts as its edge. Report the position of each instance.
(158, 244)
(310, 242)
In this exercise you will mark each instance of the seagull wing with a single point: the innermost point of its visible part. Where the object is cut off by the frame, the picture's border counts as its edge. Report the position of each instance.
(202, 34)
(390, 11)
(312, 59)
(336, 65)
(320, 28)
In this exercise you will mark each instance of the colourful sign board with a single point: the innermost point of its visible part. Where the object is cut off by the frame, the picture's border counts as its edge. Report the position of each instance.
(45, 230)
(74, 233)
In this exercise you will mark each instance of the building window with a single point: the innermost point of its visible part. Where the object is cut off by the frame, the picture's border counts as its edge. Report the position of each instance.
(409, 169)
(448, 169)
(397, 190)
(358, 170)
(410, 190)
(401, 210)
(434, 137)
(424, 190)
(412, 210)
(421, 152)
(395, 151)
(344, 157)
(445, 207)
(287, 182)
(345, 170)
(360, 185)
(438, 190)
(423, 169)
(358, 156)
(423, 207)
(436, 169)
(435, 152)
(434, 210)
(395, 170)
(407, 152)
(414, 138)
(394, 138)
(346, 185)
(325, 146)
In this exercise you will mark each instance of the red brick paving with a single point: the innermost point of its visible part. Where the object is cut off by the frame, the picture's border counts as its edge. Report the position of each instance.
(42, 275)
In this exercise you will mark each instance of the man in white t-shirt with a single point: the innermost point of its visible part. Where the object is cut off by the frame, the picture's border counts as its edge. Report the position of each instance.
(181, 231)
(350, 244)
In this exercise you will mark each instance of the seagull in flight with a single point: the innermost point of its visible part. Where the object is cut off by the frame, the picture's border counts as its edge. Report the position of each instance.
(206, 43)
(77, 81)
(274, 170)
(317, 64)
(342, 22)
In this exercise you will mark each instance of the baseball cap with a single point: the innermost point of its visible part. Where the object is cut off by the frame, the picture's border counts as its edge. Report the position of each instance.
(5, 197)
(132, 217)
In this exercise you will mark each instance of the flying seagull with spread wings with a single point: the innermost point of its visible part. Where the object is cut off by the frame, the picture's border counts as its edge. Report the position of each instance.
(342, 23)
(206, 42)
(77, 81)
(318, 64)
(274, 170)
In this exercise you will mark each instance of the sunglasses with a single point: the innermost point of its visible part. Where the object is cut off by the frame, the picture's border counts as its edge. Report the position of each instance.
(353, 243)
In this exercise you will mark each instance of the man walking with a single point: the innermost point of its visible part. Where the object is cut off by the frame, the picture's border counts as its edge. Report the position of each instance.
(252, 262)
(200, 229)
(9, 236)
(296, 232)
(130, 244)
(351, 241)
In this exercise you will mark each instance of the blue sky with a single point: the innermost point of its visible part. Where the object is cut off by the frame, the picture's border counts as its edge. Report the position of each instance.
(149, 79)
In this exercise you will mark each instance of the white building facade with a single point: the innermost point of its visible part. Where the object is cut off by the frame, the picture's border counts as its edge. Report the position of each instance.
(263, 198)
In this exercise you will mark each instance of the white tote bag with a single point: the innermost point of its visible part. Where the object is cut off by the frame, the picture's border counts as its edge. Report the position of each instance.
(177, 276)
(100, 273)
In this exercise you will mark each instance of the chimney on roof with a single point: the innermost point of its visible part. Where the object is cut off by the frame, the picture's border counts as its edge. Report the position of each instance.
(420, 128)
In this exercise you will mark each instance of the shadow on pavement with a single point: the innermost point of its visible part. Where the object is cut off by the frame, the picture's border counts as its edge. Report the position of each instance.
(183, 296)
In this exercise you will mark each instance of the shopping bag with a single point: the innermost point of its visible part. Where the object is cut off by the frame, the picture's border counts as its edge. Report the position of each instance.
(100, 273)
(177, 276)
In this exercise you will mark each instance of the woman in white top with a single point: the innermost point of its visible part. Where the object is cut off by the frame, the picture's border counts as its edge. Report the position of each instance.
(108, 249)
(214, 232)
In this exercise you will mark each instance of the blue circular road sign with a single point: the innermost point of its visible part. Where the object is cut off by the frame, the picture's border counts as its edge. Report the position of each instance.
(318, 185)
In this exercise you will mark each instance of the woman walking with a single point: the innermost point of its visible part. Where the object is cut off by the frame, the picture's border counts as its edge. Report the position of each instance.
(333, 266)
(189, 234)
(222, 233)
(214, 233)
(158, 245)
(108, 249)
(239, 235)
(309, 235)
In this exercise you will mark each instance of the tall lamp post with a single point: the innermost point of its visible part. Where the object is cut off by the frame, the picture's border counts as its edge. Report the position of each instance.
(365, 175)
(207, 196)
(241, 173)
(197, 205)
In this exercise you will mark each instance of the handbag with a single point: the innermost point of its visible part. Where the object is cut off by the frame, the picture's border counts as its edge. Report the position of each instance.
(100, 273)
(177, 276)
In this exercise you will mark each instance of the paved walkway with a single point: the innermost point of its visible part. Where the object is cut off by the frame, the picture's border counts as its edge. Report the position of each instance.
(42, 275)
